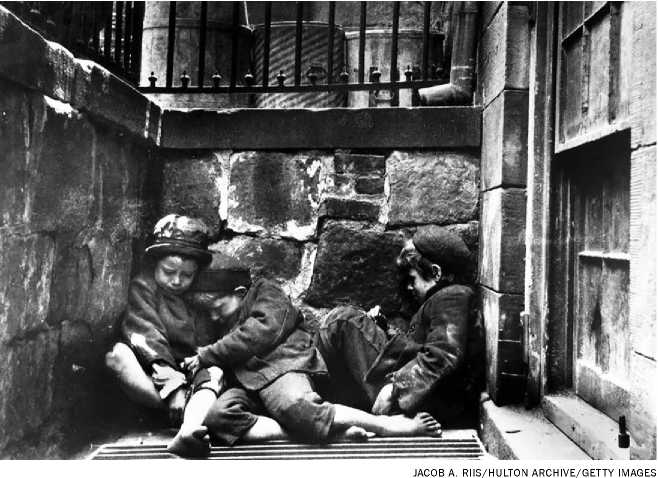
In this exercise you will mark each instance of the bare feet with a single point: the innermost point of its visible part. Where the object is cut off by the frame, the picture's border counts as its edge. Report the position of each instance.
(193, 443)
(354, 433)
(423, 424)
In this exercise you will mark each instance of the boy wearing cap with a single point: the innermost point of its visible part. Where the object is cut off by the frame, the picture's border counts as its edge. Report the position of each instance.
(159, 329)
(424, 369)
(270, 361)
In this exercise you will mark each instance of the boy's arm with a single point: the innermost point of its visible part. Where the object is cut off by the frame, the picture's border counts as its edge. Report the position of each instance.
(142, 328)
(442, 352)
(267, 325)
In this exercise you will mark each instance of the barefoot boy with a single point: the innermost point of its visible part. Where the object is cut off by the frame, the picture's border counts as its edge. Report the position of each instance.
(270, 361)
(424, 370)
(158, 331)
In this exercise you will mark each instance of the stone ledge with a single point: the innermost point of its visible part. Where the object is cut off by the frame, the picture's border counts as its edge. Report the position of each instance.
(28, 59)
(427, 127)
(514, 433)
(590, 429)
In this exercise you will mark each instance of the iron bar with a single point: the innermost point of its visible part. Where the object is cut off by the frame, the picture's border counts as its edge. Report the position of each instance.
(203, 24)
(119, 33)
(171, 42)
(127, 36)
(95, 39)
(330, 42)
(426, 38)
(394, 42)
(362, 42)
(136, 55)
(107, 34)
(266, 43)
(298, 44)
(234, 44)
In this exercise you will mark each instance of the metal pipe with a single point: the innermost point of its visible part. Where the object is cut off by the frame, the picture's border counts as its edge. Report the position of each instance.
(234, 44)
(330, 42)
(460, 88)
(362, 42)
(266, 44)
(394, 42)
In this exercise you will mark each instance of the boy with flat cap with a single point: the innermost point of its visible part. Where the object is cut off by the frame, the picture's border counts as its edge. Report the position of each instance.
(270, 360)
(424, 369)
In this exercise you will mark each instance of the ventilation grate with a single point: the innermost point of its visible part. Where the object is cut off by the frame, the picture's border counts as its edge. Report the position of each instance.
(448, 447)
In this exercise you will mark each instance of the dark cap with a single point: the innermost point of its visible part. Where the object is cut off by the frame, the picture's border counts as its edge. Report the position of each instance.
(181, 235)
(441, 246)
(224, 274)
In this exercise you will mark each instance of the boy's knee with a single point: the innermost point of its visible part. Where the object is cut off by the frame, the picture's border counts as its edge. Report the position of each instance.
(119, 357)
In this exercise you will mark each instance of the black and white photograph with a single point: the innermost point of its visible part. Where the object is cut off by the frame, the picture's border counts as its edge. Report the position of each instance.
(382, 238)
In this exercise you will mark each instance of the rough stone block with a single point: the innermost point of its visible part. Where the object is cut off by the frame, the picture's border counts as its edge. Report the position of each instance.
(643, 88)
(196, 184)
(432, 187)
(642, 422)
(26, 263)
(502, 240)
(14, 132)
(71, 281)
(505, 141)
(269, 258)
(104, 95)
(350, 208)
(355, 264)
(642, 312)
(28, 59)
(504, 52)
(275, 193)
(369, 185)
(359, 163)
(26, 383)
(61, 167)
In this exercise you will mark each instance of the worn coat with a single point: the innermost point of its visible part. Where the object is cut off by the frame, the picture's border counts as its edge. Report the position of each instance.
(170, 327)
(267, 339)
(427, 364)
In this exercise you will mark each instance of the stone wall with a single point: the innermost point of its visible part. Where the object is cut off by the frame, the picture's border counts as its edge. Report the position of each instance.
(326, 224)
(75, 189)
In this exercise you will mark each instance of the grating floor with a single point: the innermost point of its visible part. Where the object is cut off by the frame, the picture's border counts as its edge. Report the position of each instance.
(454, 444)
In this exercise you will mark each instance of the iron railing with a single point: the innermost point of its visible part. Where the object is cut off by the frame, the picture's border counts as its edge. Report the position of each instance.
(196, 78)
(109, 33)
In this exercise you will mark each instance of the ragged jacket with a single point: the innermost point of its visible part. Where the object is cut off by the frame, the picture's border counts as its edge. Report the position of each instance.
(159, 326)
(267, 339)
(426, 365)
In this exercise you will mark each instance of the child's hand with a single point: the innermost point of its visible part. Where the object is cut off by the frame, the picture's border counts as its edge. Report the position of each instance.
(176, 405)
(374, 312)
(191, 364)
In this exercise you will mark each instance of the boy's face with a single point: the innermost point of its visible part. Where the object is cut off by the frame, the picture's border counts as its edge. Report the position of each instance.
(418, 285)
(175, 274)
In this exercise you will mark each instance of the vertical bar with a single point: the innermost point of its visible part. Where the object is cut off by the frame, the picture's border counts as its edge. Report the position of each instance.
(234, 44)
(266, 44)
(298, 44)
(330, 43)
(171, 41)
(362, 42)
(95, 9)
(426, 38)
(136, 56)
(119, 33)
(203, 24)
(394, 42)
(107, 36)
(127, 35)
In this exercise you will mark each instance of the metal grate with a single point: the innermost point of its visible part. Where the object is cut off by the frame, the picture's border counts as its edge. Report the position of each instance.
(457, 446)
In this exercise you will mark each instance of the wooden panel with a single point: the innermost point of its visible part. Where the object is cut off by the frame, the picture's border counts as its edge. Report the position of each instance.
(599, 77)
(588, 320)
(614, 353)
(616, 202)
(570, 97)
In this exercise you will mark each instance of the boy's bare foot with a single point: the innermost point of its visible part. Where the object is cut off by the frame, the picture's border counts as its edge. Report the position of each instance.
(194, 443)
(354, 433)
(423, 424)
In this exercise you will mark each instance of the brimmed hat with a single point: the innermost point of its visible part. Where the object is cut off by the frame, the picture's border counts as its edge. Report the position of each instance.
(182, 235)
(224, 274)
(441, 246)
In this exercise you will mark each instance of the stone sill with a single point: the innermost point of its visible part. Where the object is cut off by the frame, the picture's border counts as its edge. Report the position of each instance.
(368, 128)
(591, 430)
(51, 70)
(514, 433)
